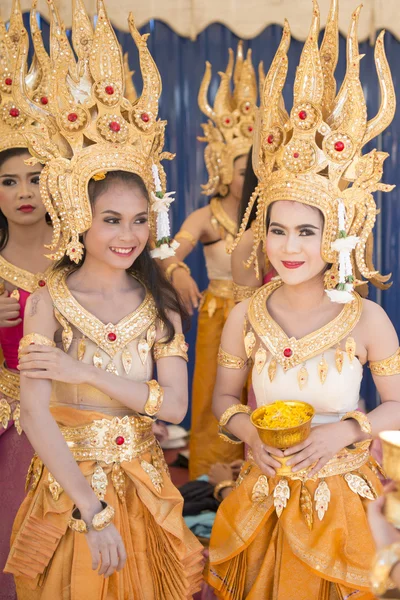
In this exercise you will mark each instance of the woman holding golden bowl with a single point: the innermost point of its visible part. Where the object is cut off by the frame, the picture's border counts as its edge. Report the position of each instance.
(299, 531)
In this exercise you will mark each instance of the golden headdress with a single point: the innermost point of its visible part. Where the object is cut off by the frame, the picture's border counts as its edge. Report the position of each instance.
(93, 128)
(14, 123)
(229, 131)
(314, 155)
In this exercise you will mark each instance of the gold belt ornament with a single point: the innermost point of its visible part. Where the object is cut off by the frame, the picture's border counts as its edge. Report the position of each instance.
(110, 440)
(9, 402)
(221, 288)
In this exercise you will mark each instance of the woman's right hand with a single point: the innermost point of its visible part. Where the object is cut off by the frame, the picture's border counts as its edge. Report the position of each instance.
(9, 311)
(107, 550)
(187, 289)
(262, 455)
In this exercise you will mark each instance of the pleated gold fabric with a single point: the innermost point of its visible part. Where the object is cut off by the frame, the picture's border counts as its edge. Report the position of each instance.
(50, 561)
(255, 555)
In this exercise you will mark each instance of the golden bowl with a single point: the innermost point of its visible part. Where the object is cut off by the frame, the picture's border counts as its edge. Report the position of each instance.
(391, 453)
(283, 437)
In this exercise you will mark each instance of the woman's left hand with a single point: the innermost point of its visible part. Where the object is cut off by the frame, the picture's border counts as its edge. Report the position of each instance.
(43, 362)
(321, 445)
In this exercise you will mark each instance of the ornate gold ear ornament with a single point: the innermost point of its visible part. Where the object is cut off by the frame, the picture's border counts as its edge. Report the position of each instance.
(229, 130)
(90, 127)
(314, 154)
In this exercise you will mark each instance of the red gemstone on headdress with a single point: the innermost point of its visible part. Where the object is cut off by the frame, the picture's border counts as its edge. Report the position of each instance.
(8, 81)
(227, 121)
(270, 139)
(287, 352)
(72, 117)
(14, 112)
(303, 115)
(339, 146)
(247, 106)
(41, 283)
(119, 440)
(44, 100)
(250, 128)
(109, 90)
(145, 117)
(112, 336)
(115, 126)
(296, 155)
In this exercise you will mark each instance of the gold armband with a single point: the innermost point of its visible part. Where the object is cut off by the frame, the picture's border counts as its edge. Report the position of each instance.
(242, 292)
(100, 521)
(223, 433)
(383, 565)
(155, 398)
(229, 360)
(171, 268)
(387, 366)
(221, 486)
(176, 347)
(186, 235)
(365, 426)
(35, 338)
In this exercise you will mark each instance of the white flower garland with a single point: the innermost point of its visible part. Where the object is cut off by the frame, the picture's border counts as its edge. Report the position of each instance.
(165, 246)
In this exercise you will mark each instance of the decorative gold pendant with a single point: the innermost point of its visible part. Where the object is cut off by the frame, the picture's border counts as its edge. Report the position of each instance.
(143, 349)
(260, 490)
(271, 369)
(260, 359)
(15, 295)
(357, 485)
(306, 506)
(249, 343)
(54, 487)
(211, 307)
(127, 360)
(34, 473)
(81, 348)
(322, 370)
(118, 481)
(339, 359)
(66, 335)
(369, 484)
(322, 497)
(155, 477)
(16, 419)
(97, 359)
(99, 482)
(281, 496)
(302, 377)
(111, 368)
(5, 413)
(351, 348)
(151, 335)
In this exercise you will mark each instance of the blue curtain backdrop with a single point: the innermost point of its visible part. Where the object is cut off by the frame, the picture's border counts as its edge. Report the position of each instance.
(181, 65)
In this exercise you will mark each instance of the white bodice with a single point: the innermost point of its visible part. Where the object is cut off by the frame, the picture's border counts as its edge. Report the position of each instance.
(331, 400)
(218, 261)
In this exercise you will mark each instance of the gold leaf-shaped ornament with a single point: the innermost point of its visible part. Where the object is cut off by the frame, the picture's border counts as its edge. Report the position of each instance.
(143, 349)
(339, 359)
(351, 348)
(302, 377)
(55, 488)
(16, 418)
(66, 335)
(260, 359)
(249, 343)
(322, 497)
(281, 496)
(272, 369)
(5, 413)
(357, 485)
(306, 506)
(111, 368)
(322, 370)
(155, 476)
(99, 482)
(260, 489)
(97, 359)
(127, 360)
(81, 348)
(151, 335)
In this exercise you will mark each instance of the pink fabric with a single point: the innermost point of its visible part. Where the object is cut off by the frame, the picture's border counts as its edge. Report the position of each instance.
(15, 456)
(10, 336)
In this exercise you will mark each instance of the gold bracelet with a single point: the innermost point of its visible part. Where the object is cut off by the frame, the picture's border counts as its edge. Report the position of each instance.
(100, 521)
(171, 268)
(155, 398)
(34, 338)
(186, 235)
(227, 436)
(383, 565)
(221, 486)
(242, 292)
(229, 361)
(233, 410)
(365, 426)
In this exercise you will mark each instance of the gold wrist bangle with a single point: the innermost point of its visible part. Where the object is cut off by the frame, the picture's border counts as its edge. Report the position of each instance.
(100, 521)
(34, 338)
(155, 398)
(233, 410)
(383, 565)
(173, 266)
(221, 486)
(365, 426)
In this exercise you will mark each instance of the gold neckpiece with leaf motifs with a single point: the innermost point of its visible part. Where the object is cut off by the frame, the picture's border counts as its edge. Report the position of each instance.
(20, 278)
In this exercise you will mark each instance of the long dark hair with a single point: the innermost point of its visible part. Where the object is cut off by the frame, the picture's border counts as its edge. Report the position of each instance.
(145, 268)
(249, 185)
(5, 155)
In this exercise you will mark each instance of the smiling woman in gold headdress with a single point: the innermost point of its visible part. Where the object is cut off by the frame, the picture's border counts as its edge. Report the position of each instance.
(100, 497)
(295, 527)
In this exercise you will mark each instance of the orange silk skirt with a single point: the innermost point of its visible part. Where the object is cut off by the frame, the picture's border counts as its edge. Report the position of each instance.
(51, 562)
(256, 555)
(206, 448)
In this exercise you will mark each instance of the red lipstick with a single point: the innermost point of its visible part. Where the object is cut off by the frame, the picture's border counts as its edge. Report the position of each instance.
(289, 264)
(26, 208)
